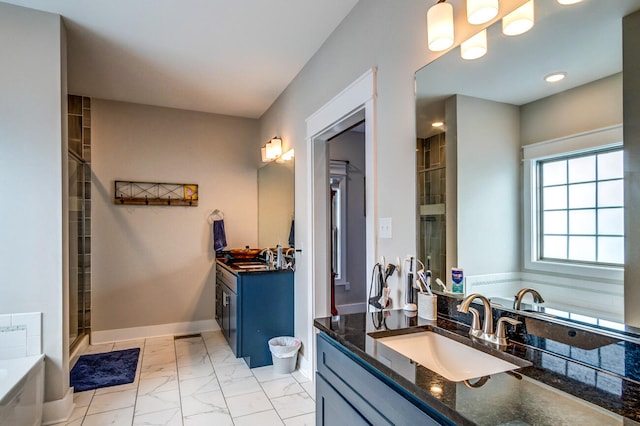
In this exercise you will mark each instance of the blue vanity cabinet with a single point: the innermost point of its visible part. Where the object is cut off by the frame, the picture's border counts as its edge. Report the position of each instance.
(348, 394)
(251, 308)
(264, 310)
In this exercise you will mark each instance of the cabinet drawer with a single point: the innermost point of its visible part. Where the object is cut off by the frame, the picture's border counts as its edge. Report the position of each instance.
(226, 277)
(375, 400)
(332, 409)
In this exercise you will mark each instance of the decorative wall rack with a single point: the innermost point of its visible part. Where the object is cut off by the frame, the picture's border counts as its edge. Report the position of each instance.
(155, 194)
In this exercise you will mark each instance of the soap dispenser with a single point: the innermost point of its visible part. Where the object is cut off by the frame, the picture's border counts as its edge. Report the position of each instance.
(279, 258)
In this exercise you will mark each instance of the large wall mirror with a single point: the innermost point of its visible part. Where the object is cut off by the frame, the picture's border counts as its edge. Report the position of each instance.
(498, 114)
(275, 204)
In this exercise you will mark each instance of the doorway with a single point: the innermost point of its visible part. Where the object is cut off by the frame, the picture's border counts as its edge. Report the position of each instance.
(347, 167)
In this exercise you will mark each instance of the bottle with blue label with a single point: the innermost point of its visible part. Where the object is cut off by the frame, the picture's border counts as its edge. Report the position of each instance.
(457, 279)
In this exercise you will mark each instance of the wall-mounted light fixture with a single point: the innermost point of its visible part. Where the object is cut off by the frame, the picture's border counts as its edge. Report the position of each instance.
(481, 11)
(288, 155)
(273, 151)
(475, 47)
(440, 26)
(519, 21)
(569, 1)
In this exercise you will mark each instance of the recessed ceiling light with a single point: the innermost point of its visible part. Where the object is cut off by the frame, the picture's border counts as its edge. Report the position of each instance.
(569, 1)
(555, 77)
(437, 124)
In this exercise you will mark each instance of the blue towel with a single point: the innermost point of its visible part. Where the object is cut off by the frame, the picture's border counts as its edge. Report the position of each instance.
(219, 236)
(292, 238)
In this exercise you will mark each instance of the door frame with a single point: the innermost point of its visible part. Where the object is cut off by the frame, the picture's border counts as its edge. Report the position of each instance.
(352, 105)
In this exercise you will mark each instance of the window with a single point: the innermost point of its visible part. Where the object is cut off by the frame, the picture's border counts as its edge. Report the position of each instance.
(581, 208)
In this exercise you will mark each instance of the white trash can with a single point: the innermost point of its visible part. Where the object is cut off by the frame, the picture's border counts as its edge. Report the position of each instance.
(284, 352)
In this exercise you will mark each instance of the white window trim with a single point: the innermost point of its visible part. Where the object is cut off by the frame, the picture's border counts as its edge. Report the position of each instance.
(338, 170)
(600, 138)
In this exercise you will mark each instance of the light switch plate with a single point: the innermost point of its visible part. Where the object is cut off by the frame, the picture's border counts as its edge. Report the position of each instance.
(384, 227)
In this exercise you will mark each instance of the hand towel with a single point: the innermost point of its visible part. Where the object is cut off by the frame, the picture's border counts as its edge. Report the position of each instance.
(292, 239)
(219, 236)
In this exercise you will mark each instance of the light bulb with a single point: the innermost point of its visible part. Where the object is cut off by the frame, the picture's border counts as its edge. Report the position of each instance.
(475, 47)
(481, 11)
(519, 21)
(440, 26)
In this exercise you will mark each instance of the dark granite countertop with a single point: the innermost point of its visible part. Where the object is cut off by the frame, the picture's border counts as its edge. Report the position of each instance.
(248, 266)
(572, 376)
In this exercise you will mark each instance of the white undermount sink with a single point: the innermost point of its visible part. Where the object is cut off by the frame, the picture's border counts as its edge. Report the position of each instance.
(451, 359)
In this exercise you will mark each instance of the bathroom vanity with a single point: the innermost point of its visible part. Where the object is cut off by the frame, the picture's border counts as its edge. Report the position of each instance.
(253, 305)
(582, 378)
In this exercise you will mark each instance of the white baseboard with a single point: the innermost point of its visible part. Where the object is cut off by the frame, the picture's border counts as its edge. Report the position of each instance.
(134, 333)
(351, 308)
(304, 366)
(79, 349)
(59, 410)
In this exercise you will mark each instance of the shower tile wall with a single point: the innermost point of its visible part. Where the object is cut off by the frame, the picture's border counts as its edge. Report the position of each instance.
(79, 120)
(431, 163)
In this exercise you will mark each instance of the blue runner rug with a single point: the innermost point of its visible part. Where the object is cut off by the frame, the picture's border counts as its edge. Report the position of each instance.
(104, 370)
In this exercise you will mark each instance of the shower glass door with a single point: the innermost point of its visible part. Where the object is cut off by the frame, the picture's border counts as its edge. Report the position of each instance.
(77, 250)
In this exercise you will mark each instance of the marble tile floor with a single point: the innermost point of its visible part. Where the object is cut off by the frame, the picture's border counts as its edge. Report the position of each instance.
(196, 381)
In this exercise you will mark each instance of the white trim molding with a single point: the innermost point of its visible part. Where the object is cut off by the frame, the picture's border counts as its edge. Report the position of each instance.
(133, 333)
(59, 410)
(351, 105)
(599, 138)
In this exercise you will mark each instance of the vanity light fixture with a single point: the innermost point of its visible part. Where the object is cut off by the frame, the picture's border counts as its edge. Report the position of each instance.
(519, 21)
(481, 11)
(440, 26)
(273, 151)
(287, 155)
(437, 124)
(475, 47)
(555, 77)
(274, 148)
(569, 1)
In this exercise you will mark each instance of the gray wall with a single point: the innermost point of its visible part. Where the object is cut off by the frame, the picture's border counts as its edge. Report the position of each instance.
(349, 146)
(391, 36)
(488, 186)
(589, 107)
(631, 49)
(33, 156)
(155, 265)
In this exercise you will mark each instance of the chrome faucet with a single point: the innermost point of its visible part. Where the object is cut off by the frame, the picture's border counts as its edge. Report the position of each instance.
(520, 295)
(499, 337)
(268, 256)
(464, 307)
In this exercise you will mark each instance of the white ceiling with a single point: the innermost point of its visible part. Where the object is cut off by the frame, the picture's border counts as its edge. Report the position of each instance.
(230, 57)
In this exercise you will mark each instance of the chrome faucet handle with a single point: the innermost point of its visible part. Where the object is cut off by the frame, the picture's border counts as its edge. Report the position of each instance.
(476, 328)
(501, 336)
(475, 321)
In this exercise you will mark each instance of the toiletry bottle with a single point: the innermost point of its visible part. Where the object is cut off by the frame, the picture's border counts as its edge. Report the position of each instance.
(457, 278)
